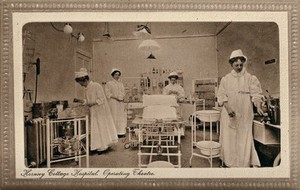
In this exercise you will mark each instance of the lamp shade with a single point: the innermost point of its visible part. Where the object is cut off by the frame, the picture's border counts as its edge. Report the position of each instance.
(149, 45)
(143, 34)
(106, 34)
(81, 37)
(151, 56)
(68, 28)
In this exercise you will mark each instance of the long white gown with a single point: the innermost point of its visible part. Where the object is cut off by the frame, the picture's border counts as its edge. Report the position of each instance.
(178, 92)
(116, 88)
(236, 138)
(103, 130)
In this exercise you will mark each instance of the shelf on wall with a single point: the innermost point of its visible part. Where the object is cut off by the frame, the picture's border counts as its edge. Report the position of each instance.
(206, 89)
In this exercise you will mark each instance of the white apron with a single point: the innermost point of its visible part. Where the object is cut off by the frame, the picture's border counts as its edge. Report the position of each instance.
(240, 90)
(103, 131)
(116, 89)
(170, 89)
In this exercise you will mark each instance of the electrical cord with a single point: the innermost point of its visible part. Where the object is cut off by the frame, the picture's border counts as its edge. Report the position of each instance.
(59, 30)
(36, 83)
(36, 78)
(56, 28)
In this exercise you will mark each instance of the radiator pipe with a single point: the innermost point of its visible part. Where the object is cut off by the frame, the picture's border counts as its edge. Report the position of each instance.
(36, 77)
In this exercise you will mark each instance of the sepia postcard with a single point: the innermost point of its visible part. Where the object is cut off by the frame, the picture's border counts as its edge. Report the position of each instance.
(63, 127)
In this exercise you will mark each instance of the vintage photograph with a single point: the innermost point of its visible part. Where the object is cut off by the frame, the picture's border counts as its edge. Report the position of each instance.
(152, 94)
(149, 96)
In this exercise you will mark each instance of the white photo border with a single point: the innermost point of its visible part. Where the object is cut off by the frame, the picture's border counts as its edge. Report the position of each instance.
(10, 93)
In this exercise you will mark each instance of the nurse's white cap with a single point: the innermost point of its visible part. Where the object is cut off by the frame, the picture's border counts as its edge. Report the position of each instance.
(237, 53)
(114, 70)
(173, 74)
(82, 73)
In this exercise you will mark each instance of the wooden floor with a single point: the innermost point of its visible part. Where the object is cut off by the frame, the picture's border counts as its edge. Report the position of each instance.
(120, 157)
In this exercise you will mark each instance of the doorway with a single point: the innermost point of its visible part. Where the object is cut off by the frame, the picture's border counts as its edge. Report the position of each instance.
(83, 59)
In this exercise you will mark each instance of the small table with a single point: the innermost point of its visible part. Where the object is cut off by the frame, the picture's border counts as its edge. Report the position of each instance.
(73, 148)
(208, 149)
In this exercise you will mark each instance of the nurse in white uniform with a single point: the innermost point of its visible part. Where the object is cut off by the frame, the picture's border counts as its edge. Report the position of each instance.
(103, 130)
(115, 93)
(237, 91)
(176, 90)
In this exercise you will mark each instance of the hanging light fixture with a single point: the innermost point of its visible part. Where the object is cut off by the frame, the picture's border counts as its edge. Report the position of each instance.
(143, 28)
(142, 31)
(106, 35)
(81, 37)
(106, 32)
(151, 56)
(69, 30)
(149, 45)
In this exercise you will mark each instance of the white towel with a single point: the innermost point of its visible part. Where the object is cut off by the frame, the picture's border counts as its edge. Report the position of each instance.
(167, 100)
(159, 112)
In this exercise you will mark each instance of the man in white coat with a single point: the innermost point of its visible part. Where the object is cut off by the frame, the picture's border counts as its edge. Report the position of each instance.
(115, 93)
(237, 91)
(103, 130)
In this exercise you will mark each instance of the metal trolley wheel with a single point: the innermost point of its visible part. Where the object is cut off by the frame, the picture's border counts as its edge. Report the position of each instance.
(127, 145)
